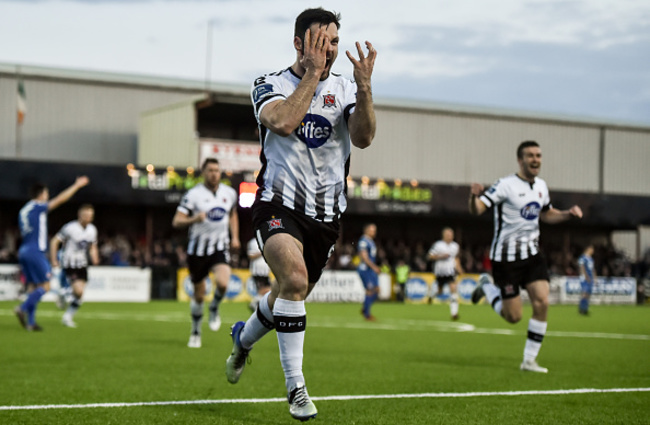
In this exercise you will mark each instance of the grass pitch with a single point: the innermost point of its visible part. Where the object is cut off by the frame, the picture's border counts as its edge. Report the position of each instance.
(129, 364)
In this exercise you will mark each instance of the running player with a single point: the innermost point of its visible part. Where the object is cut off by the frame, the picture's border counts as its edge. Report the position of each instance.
(79, 240)
(447, 266)
(32, 256)
(209, 210)
(519, 201)
(368, 269)
(307, 117)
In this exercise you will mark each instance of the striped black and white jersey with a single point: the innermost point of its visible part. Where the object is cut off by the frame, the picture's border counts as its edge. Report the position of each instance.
(306, 170)
(212, 234)
(446, 266)
(517, 206)
(76, 240)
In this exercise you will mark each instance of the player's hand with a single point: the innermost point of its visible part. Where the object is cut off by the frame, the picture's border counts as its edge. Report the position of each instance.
(234, 243)
(364, 66)
(575, 211)
(314, 51)
(81, 181)
(476, 189)
(200, 217)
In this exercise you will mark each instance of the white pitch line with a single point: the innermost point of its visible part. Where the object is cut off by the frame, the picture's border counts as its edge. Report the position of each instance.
(389, 325)
(329, 398)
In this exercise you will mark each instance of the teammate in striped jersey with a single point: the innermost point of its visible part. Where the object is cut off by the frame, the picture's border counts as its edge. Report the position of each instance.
(587, 278)
(519, 201)
(308, 118)
(79, 240)
(447, 266)
(32, 220)
(209, 209)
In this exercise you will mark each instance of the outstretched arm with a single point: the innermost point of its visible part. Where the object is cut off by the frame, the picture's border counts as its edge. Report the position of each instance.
(64, 196)
(362, 122)
(553, 216)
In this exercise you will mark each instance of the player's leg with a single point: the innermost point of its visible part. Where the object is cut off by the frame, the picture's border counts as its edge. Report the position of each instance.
(583, 307)
(371, 284)
(222, 272)
(538, 292)
(453, 299)
(196, 311)
(77, 290)
(37, 269)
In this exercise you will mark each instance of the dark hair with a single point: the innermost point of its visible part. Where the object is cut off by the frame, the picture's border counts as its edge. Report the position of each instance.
(525, 144)
(310, 16)
(209, 161)
(36, 189)
(86, 207)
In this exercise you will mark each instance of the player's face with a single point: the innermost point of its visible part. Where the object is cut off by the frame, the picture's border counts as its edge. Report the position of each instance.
(530, 163)
(448, 235)
(211, 175)
(332, 46)
(371, 231)
(86, 216)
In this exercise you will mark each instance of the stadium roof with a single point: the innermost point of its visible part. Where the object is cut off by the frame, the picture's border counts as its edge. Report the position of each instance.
(244, 90)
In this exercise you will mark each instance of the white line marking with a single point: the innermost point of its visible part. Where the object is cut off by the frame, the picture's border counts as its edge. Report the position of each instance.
(329, 398)
(387, 325)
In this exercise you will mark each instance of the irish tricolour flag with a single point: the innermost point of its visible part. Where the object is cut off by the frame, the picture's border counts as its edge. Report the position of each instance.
(22, 102)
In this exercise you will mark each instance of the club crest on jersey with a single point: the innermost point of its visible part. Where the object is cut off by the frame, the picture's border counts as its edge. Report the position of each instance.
(275, 224)
(531, 211)
(329, 100)
(216, 214)
(314, 130)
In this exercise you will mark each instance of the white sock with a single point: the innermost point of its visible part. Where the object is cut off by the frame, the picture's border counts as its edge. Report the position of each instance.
(493, 296)
(453, 304)
(73, 307)
(257, 327)
(536, 332)
(290, 319)
(197, 316)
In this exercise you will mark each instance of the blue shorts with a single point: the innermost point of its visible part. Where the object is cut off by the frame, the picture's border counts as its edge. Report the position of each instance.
(586, 286)
(35, 266)
(369, 279)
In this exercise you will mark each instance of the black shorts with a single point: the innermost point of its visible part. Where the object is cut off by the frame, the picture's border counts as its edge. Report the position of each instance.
(317, 238)
(444, 280)
(510, 276)
(76, 273)
(200, 265)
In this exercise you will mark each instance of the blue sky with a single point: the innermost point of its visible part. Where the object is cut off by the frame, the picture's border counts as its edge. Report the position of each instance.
(585, 58)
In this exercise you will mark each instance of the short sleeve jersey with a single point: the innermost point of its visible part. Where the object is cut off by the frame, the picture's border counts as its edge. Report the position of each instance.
(306, 170)
(588, 263)
(76, 241)
(257, 266)
(446, 266)
(32, 220)
(212, 234)
(517, 206)
(368, 245)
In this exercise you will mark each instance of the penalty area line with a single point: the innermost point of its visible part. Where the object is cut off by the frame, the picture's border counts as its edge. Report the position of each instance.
(329, 398)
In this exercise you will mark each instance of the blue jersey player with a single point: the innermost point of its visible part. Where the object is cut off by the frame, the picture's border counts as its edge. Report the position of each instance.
(368, 269)
(587, 278)
(32, 221)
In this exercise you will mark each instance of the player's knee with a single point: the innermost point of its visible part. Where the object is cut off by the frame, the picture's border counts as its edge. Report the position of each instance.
(512, 316)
